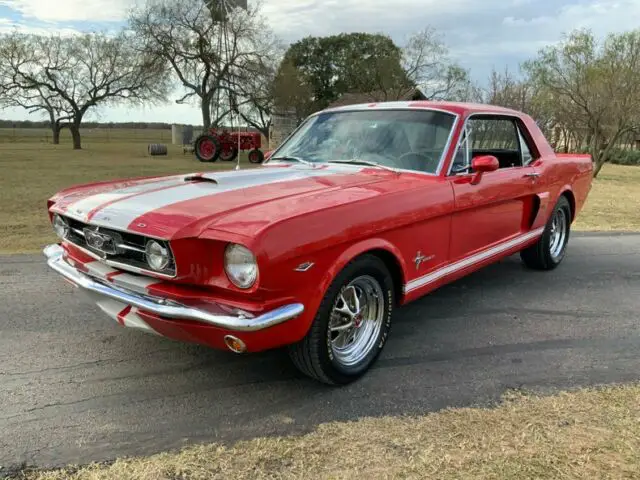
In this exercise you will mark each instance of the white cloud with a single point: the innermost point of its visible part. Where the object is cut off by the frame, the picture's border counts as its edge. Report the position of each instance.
(7, 26)
(70, 10)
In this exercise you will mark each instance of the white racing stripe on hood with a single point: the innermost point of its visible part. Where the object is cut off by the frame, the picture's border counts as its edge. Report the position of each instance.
(119, 215)
(81, 208)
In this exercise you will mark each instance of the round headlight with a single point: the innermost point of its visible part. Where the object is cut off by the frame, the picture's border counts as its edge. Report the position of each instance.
(240, 265)
(60, 226)
(157, 255)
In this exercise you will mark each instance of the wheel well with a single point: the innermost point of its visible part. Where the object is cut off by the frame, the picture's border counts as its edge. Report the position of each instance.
(572, 202)
(395, 269)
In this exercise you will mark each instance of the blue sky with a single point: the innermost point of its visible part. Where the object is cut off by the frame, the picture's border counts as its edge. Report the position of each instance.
(481, 34)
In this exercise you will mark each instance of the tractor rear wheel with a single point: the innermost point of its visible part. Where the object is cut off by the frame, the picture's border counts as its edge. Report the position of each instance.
(228, 153)
(207, 148)
(256, 156)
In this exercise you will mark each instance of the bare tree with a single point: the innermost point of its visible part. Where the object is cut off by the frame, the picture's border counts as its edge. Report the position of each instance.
(257, 100)
(37, 101)
(68, 76)
(594, 87)
(520, 93)
(210, 57)
(427, 64)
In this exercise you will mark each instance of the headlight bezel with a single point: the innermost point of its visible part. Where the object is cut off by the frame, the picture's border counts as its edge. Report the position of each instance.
(233, 266)
(165, 253)
(54, 222)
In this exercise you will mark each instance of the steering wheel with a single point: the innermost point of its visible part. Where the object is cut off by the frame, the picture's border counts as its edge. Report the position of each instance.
(419, 161)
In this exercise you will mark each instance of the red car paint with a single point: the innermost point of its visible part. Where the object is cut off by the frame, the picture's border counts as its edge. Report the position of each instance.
(446, 220)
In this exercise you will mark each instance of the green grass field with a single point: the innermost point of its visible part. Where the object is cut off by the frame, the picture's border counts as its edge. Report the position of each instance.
(33, 170)
(91, 135)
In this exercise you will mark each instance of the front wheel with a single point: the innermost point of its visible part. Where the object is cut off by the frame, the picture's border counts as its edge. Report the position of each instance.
(351, 326)
(207, 148)
(551, 248)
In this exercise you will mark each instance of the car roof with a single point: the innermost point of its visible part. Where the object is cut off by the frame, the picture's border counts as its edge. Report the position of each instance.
(458, 108)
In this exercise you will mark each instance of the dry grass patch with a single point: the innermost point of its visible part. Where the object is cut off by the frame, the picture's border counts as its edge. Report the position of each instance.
(614, 201)
(586, 434)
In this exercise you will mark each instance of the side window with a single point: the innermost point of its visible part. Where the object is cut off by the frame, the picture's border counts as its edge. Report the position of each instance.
(494, 134)
(497, 136)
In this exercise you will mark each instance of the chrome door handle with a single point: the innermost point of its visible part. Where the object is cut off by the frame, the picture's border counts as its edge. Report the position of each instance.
(532, 175)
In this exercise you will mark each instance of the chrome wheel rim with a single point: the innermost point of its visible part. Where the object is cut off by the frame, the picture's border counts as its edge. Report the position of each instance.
(356, 320)
(558, 233)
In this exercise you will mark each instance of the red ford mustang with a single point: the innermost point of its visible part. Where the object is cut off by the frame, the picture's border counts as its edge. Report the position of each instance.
(361, 210)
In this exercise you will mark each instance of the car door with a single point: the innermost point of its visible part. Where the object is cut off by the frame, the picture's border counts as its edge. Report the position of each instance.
(496, 210)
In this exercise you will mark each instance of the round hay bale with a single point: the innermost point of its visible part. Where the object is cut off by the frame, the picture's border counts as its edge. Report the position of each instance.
(157, 149)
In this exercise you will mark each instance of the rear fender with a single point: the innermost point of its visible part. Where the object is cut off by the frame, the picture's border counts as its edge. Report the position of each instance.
(547, 202)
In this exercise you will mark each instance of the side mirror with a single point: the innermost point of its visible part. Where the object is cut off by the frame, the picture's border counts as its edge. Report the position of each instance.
(482, 165)
(267, 154)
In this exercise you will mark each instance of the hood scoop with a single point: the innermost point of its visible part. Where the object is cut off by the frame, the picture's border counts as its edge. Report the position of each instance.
(200, 178)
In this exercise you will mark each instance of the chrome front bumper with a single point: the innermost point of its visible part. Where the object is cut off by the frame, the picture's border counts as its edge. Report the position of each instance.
(242, 322)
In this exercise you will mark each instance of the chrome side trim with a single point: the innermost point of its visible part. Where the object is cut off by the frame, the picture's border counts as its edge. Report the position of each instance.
(469, 261)
(165, 308)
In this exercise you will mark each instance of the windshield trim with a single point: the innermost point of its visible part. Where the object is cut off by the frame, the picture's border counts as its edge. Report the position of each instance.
(357, 108)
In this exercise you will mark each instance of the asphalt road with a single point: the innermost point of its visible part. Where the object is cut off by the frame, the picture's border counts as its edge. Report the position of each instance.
(76, 387)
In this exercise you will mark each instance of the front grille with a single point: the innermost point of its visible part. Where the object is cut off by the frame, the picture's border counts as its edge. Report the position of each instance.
(125, 248)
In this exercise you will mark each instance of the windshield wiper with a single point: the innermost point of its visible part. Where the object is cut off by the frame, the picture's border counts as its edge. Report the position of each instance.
(356, 161)
(295, 159)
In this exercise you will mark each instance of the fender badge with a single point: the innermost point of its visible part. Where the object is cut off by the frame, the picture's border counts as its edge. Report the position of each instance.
(303, 267)
(141, 225)
(420, 259)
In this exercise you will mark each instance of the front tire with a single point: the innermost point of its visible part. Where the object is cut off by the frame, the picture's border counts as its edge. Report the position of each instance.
(551, 248)
(351, 326)
(207, 148)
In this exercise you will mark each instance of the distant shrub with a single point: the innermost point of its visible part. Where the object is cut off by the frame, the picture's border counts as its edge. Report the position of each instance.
(625, 157)
(617, 156)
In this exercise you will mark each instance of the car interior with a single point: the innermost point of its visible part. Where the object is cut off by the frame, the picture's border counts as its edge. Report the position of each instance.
(499, 137)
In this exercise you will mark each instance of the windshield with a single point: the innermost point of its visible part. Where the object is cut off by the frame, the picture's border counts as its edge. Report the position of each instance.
(405, 139)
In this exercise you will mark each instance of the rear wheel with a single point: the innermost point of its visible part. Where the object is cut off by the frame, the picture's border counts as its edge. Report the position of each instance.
(256, 156)
(551, 248)
(351, 326)
(207, 148)
(228, 153)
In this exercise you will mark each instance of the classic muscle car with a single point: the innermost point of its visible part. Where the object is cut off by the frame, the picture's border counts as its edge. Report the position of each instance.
(360, 210)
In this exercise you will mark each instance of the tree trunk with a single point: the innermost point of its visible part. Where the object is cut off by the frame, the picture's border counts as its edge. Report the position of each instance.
(598, 164)
(55, 132)
(205, 106)
(55, 127)
(75, 135)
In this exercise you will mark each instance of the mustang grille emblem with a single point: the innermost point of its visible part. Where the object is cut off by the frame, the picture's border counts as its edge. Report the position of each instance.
(100, 241)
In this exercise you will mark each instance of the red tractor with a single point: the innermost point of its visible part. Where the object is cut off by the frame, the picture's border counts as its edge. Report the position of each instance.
(224, 145)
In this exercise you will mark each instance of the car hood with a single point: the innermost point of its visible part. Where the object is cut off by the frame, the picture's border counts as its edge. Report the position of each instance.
(185, 205)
